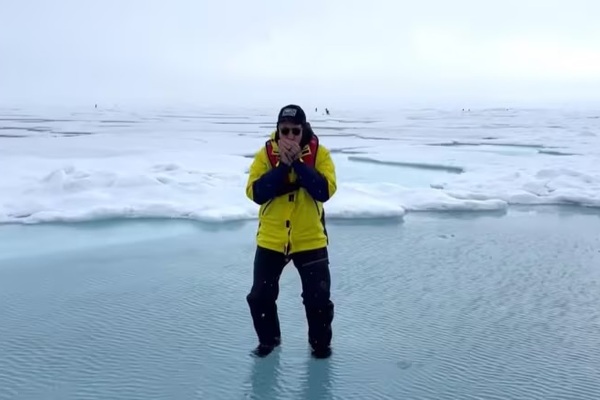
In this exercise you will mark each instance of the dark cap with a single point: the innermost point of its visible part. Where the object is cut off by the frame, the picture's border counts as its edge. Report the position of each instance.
(292, 113)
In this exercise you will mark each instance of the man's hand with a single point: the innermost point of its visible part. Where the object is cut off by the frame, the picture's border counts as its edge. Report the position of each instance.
(289, 151)
(284, 157)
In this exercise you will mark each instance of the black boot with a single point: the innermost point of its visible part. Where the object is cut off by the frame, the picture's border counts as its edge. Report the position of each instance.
(321, 352)
(263, 349)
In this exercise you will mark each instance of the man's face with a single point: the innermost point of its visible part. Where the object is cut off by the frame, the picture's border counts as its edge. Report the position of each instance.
(290, 131)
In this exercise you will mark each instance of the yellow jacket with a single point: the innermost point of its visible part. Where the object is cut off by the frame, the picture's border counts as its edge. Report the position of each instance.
(291, 220)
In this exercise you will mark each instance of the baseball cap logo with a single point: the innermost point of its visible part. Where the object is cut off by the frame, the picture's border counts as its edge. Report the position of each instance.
(288, 112)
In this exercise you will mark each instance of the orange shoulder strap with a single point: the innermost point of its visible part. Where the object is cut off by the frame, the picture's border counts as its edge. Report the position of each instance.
(309, 154)
(273, 158)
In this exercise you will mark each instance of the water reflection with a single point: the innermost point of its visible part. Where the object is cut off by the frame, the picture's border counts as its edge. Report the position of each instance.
(265, 376)
(316, 384)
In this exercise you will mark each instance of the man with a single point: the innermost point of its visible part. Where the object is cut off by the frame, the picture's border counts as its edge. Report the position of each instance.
(290, 178)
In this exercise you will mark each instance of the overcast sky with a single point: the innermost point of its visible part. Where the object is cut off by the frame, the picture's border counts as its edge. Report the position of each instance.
(310, 50)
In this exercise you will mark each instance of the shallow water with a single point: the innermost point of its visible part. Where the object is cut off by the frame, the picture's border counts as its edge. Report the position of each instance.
(440, 306)
(350, 169)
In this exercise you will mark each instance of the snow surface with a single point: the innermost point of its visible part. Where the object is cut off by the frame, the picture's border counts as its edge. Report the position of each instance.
(76, 165)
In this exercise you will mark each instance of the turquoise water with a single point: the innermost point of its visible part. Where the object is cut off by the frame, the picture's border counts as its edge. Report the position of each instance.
(440, 306)
(359, 171)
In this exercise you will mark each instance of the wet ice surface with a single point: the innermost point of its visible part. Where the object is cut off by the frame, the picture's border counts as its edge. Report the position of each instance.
(440, 306)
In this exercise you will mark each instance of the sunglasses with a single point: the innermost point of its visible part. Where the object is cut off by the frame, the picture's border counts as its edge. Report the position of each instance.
(286, 131)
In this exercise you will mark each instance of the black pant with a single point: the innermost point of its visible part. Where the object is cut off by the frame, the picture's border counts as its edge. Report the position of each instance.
(313, 266)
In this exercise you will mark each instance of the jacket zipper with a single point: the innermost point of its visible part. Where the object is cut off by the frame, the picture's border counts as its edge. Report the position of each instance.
(288, 246)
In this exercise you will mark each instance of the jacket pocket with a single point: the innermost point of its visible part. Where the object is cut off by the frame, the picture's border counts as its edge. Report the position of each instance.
(267, 204)
(317, 207)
